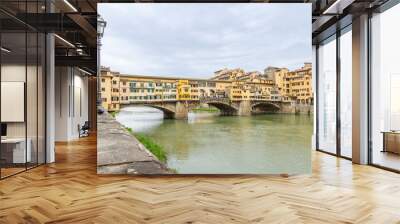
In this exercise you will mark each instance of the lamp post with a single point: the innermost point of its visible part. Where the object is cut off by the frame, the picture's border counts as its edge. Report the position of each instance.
(101, 24)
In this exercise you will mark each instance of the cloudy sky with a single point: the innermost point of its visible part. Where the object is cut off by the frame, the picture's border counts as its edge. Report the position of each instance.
(194, 40)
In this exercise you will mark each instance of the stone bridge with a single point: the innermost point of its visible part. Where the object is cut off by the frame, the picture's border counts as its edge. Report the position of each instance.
(175, 109)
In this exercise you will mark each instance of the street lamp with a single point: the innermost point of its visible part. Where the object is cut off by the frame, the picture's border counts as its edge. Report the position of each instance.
(101, 24)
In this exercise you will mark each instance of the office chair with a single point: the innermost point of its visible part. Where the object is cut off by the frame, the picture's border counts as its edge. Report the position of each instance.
(84, 130)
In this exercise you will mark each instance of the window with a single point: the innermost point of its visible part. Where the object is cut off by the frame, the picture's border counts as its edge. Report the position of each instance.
(103, 80)
(103, 89)
(346, 94)
(327, 96)
(385, 89)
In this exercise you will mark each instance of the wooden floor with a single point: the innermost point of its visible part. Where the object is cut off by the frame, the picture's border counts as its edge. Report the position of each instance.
(387, 159)
(8, 171)
(69, 191)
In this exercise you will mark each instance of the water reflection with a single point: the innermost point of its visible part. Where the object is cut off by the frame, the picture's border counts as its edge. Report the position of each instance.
(201, 117)
(144, 119)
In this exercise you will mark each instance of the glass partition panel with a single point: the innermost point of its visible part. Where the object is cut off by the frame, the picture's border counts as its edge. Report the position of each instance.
(346, 94)
(41, 98)
(14, 153)
(327, 96)
(385, 89)
(22, 88)
(31, 98)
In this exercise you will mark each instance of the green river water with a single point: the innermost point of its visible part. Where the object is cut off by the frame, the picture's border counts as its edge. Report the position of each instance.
(210, 144)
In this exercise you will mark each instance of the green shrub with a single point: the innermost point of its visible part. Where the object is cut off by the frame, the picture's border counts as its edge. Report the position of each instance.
(114, 113)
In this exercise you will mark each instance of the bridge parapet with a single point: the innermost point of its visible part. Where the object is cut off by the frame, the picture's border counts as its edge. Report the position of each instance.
(215, 99)
(151, 101)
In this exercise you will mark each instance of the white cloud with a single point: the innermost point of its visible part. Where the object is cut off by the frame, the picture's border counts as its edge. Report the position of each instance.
(194, 40)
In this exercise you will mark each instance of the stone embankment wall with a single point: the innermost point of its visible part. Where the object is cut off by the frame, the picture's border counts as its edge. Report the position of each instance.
(297, 109)
(118, 152)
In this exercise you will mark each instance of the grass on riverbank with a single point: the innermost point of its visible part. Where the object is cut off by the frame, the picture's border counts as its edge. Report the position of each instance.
(206, 109)
(114, 114)
(150, 144)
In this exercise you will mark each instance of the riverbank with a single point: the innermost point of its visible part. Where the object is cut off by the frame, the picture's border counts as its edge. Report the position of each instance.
(119, 152)
(151, 145)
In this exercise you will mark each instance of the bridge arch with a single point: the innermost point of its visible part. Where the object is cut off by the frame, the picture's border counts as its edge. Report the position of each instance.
(168, 112)
(225, 109)
(264, 107)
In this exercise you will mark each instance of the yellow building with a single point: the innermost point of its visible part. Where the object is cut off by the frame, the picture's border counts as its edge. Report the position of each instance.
(258, 91)
(221, 88)
(184, 90)
(300, 84)
(279, 78)
(115, 92)
(253, 76)
(238, 91)
(135, 88)
(207, 89)
(169, 91)
(143, 90)
(194, 90)
(293, 85)
(277, 84)
(228, 74)
(124, 90)
(109, 85)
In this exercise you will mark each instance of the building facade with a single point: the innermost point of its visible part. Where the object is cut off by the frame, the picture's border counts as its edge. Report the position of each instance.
(293, 85)
(276, 84)
(110, 92)
(299, 84)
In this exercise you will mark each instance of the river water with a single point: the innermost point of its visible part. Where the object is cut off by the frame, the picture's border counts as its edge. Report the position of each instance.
(210, 144)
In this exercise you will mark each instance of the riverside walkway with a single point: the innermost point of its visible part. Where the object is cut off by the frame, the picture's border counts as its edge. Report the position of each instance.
(118, 152)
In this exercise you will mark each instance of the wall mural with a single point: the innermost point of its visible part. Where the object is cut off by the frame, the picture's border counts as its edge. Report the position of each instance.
(205, 89)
